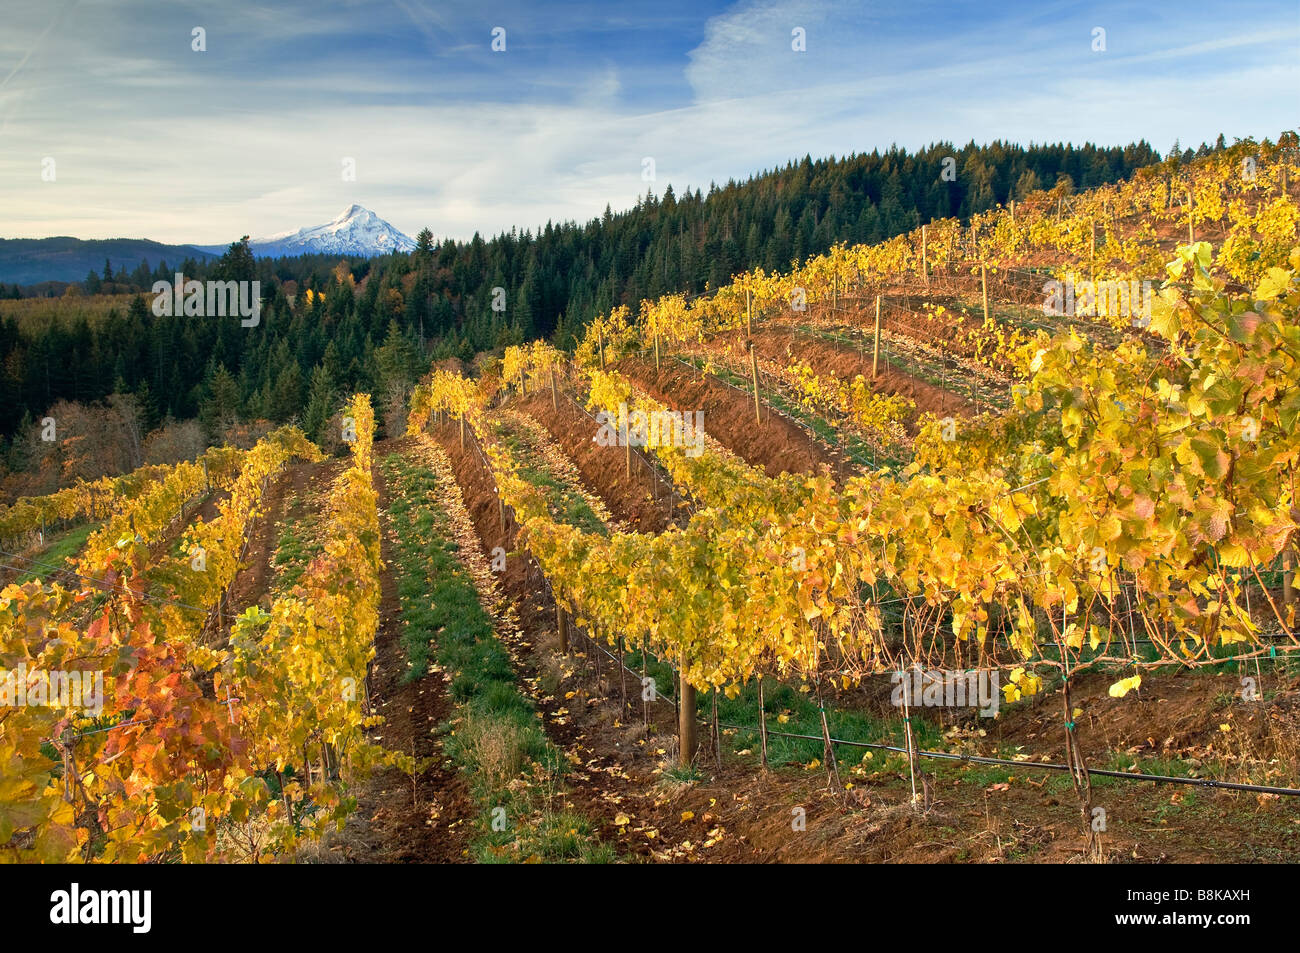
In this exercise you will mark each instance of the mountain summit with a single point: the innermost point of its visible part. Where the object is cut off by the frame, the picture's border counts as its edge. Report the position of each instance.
(356, 231)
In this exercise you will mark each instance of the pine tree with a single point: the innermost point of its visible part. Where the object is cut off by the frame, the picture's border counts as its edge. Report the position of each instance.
(320, 402)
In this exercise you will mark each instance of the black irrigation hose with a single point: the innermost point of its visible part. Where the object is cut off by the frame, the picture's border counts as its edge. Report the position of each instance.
(1045, 765)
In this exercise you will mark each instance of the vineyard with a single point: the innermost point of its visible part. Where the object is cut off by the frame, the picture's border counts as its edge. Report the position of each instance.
(976, 545)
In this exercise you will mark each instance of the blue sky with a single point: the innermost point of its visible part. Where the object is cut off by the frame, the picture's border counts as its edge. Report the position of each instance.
(152, 139)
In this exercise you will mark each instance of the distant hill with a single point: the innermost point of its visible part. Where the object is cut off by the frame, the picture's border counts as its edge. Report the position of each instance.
(29, 261)
(356, 233)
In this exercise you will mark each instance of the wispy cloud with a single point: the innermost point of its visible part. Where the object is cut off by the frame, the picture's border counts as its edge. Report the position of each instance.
(153, 139)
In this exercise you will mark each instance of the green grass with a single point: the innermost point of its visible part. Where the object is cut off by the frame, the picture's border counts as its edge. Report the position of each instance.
(804, 718)
(297, 545)
(57, 551)
(860, 451)
(565, 503)
(497, 737)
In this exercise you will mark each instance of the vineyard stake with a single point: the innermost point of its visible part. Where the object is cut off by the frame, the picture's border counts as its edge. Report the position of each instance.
(1191, 232)
(622, 673)
(753, 368)
(828, 749)
(1288, 575)
(762, 722)
(984, 289)
(1092, 249)
(645, 702)
(749, 315)
(907, 731)
(555, 398)
(875, 349)
(627, 444)
(925, 256)
(1079, 772)
(562, 625)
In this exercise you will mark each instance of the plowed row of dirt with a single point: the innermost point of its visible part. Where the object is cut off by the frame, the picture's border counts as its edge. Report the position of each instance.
(603, 469)
(779, 343)
(777, 445)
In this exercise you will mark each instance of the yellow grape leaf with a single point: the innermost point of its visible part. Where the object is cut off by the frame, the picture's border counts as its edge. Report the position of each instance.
(1274, 284)
(1124, 686)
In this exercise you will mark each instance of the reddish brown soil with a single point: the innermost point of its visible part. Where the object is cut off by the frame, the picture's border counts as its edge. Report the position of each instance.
(603, 469)
(1024, 820)
(251, 584)
(783, 343)
(778, 444)
(210, 508)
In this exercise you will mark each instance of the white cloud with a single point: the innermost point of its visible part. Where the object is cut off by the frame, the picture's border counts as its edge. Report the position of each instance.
(149, 143)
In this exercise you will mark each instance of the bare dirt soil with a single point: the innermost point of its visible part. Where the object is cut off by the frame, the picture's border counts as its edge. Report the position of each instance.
(603, 469)
(777, 445)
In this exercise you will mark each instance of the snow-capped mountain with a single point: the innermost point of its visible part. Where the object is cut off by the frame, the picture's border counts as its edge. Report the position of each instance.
(356, 232)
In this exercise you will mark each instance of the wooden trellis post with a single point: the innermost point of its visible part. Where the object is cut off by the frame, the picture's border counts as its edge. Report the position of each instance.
(925, 256)
(1191, 231)
(749, 314)
(753, 369)
(562, 626)
(627, 444)
(984, 289)
(1288, 575)
(875, 348)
